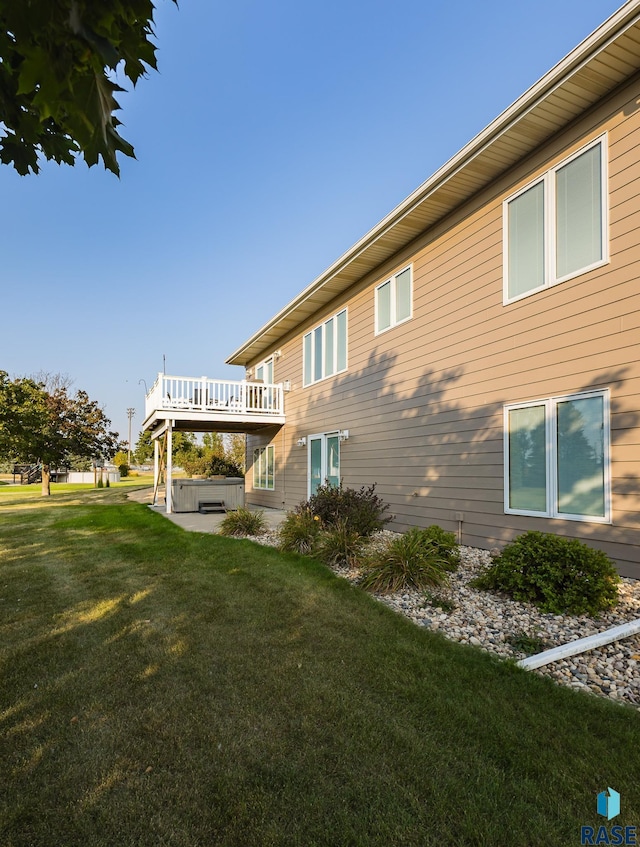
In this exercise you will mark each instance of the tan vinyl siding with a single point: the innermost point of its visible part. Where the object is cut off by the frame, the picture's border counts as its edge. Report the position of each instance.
(424, 400)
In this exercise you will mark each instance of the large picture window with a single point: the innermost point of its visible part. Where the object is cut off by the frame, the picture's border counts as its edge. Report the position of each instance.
(557, 457)
(556, 227)
(263, 467)
(393, 301)
(324, 349)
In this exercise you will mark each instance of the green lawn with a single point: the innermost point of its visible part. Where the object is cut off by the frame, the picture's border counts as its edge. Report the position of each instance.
(170, 688)
(11, 492)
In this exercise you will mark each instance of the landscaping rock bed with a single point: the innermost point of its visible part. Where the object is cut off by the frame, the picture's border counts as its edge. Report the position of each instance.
(507, 628)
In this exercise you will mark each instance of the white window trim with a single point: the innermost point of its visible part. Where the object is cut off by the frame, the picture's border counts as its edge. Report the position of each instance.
(392, 310)
(263, 452)
(335, 348)
(551, 422)
(549, 231)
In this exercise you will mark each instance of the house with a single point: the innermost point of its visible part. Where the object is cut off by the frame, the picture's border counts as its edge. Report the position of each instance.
(477, 353)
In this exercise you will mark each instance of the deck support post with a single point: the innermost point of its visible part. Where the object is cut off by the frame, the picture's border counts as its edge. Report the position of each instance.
(169, 471)
(156, 469)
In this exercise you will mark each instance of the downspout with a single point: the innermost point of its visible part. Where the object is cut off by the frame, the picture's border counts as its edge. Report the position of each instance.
(284, 469)
(582, 645)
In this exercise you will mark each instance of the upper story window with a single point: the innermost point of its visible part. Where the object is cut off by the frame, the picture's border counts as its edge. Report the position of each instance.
(393, 300)
(556, 227)
(324, 349)
(264, 371)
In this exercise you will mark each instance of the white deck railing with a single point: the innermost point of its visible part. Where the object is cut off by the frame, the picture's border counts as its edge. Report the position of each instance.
(201, 394)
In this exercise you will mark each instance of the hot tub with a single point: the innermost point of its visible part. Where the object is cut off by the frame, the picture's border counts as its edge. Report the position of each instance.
(188, 494)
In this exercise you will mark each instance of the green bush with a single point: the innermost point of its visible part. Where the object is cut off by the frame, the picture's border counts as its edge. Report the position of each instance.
(362, 510)
(203, 465)
(559, 575)
(218, 466)
(243, 522)
(124, 469)
(340, 544)
(411, 561)
(446, 545)
(299, 532)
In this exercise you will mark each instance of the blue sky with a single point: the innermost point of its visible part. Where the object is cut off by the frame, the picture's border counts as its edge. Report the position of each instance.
(274, 136)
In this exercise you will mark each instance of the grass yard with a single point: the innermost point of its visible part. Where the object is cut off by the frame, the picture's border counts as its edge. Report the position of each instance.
(10, 490)
(168, 688)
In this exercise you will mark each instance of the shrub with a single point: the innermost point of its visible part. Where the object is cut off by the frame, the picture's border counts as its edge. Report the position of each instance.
(557, 574)
(446, 545)
(220, 466)
(411, 561)
(340, 544)
(243, 522)
(124, 469)
(362, 510)
(195, 464)
(299, 532)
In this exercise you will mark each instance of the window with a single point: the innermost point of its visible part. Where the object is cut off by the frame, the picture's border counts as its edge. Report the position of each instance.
(324, 349)
(264, 371)
(263, 467)
(557, 457)
(324, 460)
(393, 301)
(556, 227)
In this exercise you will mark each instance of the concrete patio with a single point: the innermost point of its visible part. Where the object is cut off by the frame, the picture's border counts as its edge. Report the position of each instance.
(194, 521)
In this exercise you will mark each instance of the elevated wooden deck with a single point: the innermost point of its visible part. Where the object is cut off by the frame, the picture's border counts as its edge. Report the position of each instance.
(200, 404)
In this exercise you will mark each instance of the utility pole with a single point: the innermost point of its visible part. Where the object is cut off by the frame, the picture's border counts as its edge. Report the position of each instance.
(130, 413)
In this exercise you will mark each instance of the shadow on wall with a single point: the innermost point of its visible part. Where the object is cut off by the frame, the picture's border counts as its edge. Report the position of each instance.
(436, 450)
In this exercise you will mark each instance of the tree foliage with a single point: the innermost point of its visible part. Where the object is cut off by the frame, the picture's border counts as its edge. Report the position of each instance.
(197, 458)
(236, 449)
(183, 444)
(51, 427)
(58, 60)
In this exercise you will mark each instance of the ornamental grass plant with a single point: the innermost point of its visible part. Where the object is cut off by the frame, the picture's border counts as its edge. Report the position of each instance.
(413, 560)
(446, 545)
(340, 545)
(243, 522)
(299, 532)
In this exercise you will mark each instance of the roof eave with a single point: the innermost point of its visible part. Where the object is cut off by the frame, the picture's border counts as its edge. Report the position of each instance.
(586, 51)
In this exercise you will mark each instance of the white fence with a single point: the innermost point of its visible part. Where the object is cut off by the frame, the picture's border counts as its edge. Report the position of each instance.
(90, 476)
